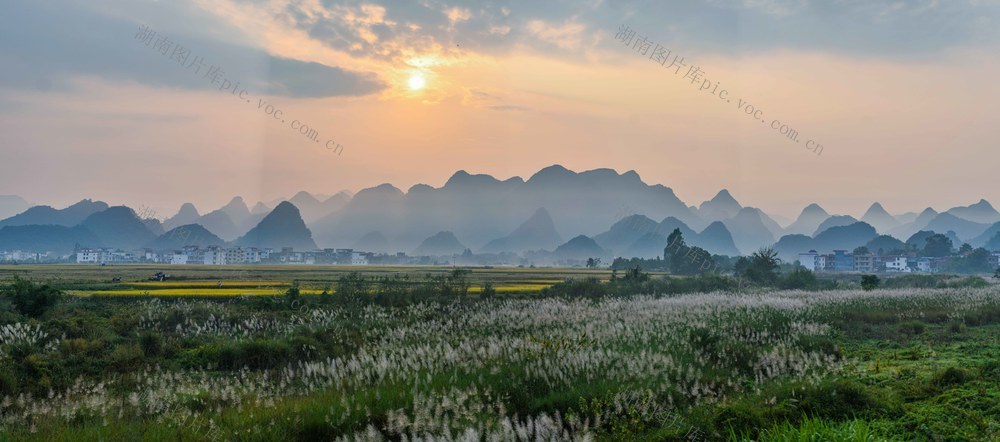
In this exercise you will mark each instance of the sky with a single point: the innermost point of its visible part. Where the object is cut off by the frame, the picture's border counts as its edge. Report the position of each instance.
(136, 102)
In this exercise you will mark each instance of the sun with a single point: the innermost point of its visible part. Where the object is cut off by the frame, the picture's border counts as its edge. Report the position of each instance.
(416, 82)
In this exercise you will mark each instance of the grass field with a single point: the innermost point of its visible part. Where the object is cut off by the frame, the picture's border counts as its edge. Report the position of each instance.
(87, 280)
(203, 363)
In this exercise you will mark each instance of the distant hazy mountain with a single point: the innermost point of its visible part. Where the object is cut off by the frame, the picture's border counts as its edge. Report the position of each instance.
(647, 246)
(906, 218)
(186, 235)
(536, 233)
(118, 227)
(260, 209)
(981, 212)
(835, 221)
(771, 224)
(480, 208)
(373, 242)
(220, 224)
(313, 209)
(919, 239)
(986, 236)
(994, 243)
(11, 205)
(153, 225)
(722, 206)
(749, 231)
(283, 227)
(581, 247)
(879, 218)
(907, 230)
(884, 244)
(835, 238)
(440, 244)
(716, 239)
(638, 233)
(965, 229)
(808, 221)
(47, 238)
(187, 214)
(625, 232)
(789, 246)
(238, 213)
(377, 208)
(844, 237)
(69, 216)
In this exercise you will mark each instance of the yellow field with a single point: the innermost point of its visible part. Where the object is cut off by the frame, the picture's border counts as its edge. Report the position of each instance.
(197, 292)
(203, 281)
(206, 284)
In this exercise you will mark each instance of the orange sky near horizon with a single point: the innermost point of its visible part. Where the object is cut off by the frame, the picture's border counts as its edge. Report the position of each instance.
(909, 133)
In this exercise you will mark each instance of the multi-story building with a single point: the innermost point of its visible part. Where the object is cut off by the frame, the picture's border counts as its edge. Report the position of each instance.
(214, 255)
(842, 261)
(924, 265)
(90, 256)
(813, 261)
(236, 255)
(359, 258)
(895, 264)
(864, 262)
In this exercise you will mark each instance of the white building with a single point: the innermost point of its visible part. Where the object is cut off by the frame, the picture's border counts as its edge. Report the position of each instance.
(359, 259)
(812, 261)
(179, 258)
(89, 256)
(214, 255)
(895, 264)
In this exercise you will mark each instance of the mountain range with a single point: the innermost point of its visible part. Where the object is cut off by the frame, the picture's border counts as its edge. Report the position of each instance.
(489, 215)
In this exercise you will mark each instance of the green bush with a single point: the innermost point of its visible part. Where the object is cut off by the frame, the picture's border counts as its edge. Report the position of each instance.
(951, 376)
(31, 299)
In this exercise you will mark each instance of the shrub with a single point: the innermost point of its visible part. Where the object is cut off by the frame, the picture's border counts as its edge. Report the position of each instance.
(912, 327)
(800, 279)
(151, 343)
(31, 299)
(951, 376)
(869, 282)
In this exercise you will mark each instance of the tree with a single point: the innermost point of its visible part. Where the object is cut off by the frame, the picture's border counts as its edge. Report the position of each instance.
(762, 267)
(996, 274)
(937, 246)
(978, 261)
(459, 281)
(862, 250)
(593, 263)
(869, 282)
(683, 260)
(31, 299)
(800, 279)
(691, 261)
(966, 248)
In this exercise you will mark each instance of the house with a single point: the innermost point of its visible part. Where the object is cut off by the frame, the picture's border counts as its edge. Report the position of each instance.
(842, 261)
(236, 255)
(864, 262)
(359, 259)
(812, 261)
(895, 264)
(924, 265)
(214, 255)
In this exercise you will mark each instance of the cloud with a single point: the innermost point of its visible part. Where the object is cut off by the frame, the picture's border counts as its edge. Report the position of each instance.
(44, 43)
(568, 35)
(892, 28)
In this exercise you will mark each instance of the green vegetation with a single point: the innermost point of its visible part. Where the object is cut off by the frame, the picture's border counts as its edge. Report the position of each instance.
(442, 353)
(869, 282)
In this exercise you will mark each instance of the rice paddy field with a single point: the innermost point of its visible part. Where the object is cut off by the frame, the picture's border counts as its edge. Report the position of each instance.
(186, 359)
